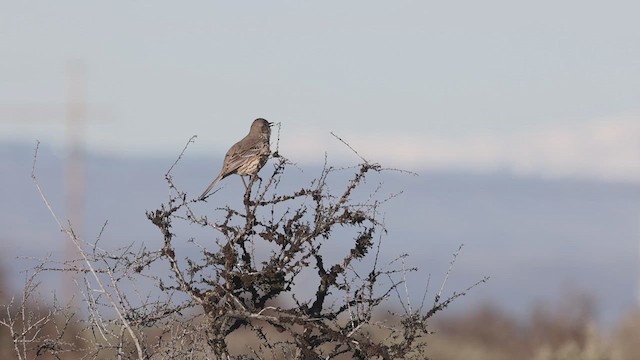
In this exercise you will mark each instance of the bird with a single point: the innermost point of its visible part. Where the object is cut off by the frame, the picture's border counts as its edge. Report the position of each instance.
(247, 156)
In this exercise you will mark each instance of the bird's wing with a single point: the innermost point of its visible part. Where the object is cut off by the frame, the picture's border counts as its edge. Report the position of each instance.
(238, 155)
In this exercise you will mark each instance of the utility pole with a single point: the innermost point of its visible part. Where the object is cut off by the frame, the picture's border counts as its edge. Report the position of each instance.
(74, 169)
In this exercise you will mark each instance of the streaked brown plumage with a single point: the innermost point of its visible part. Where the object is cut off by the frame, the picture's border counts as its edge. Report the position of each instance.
(247, 156)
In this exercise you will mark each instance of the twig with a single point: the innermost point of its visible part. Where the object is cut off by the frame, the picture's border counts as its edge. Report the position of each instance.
(349, 146)
(72, 236)
(446, 277)
(191, 140)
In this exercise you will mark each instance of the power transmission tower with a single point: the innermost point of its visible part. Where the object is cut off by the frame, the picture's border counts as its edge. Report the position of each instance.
(75, 115)
(74, 168)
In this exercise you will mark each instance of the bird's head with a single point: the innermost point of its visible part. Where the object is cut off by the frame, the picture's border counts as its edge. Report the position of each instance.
(261, 126)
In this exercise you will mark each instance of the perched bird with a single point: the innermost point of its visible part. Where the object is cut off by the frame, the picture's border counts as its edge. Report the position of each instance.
(247, 156)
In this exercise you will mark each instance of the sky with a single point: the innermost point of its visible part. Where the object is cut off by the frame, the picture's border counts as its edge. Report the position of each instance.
(544, 88)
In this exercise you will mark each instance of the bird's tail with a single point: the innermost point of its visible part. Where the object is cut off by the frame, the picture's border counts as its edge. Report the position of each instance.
(213, 183)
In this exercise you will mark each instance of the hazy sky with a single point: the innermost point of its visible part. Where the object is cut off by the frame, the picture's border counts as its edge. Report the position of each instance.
(543, 88)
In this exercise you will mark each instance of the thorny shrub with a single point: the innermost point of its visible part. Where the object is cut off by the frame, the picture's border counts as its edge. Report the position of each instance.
(245, 282)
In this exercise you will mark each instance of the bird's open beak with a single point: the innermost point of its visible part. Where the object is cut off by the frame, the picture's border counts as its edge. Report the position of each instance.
(270, 123)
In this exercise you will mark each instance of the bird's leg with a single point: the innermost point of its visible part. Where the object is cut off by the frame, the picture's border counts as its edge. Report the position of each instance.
(247, 197)
(252, 179)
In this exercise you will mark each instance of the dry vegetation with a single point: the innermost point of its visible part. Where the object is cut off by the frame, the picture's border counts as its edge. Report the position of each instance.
(551, 332)
(484, 333)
